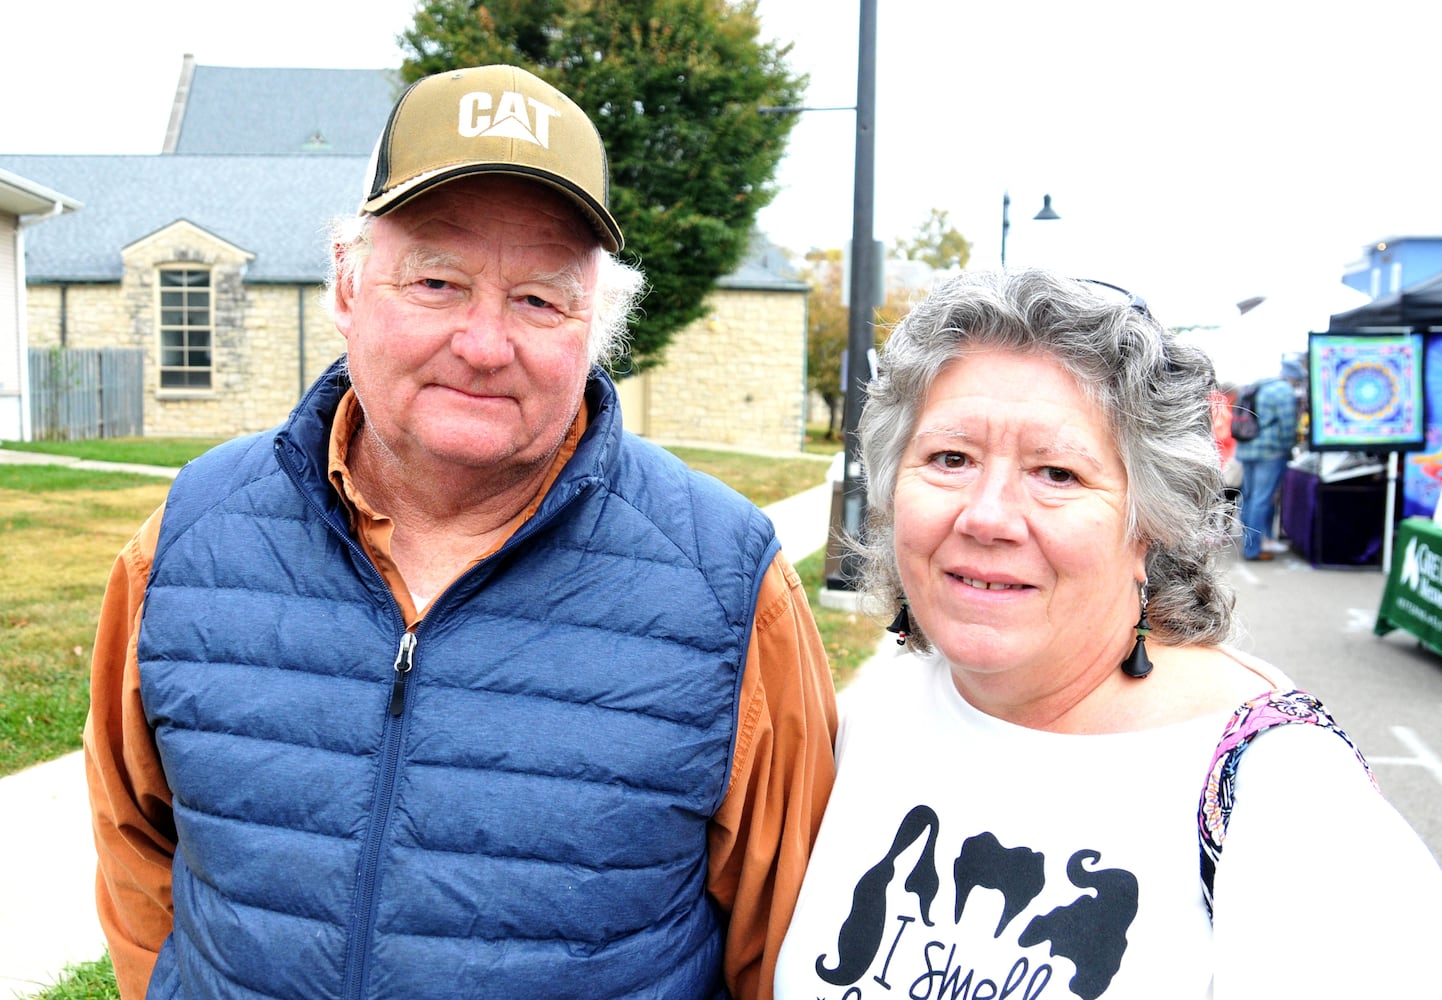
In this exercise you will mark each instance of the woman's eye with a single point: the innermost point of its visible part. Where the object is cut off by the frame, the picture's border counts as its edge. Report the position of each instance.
(1058, 476)
(950, 459)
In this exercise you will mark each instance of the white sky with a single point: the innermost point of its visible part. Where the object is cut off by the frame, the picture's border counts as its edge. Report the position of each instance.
(1198, 154)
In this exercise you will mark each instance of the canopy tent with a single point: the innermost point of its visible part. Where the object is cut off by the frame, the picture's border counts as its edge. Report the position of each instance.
(1416, 305)
(1252, 345)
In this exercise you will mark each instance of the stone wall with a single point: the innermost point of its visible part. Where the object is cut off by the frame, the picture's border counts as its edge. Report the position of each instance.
(257, 376)
(735, 377)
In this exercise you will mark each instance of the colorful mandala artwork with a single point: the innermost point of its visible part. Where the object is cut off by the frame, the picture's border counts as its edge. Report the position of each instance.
(1422, 472)
(1367, 392)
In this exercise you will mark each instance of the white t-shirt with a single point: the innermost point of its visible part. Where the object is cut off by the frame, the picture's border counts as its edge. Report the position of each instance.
(966, 857)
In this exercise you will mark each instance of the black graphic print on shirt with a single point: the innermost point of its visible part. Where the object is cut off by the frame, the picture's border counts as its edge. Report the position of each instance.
(924, 962)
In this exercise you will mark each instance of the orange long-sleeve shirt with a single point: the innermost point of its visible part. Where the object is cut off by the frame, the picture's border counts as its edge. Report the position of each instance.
(759, 841)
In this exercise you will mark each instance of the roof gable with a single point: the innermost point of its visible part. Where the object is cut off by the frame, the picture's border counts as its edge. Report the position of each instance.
(185, 231)
(225, 110)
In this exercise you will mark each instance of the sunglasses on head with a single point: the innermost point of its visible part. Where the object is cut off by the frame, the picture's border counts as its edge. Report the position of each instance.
(1134, 300)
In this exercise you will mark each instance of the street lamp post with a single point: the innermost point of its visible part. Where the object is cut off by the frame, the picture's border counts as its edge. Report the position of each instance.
(864, 291)
(865, 294)
(1046, 214)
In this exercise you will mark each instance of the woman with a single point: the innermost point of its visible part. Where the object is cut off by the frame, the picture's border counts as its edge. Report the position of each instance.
(1016, 812)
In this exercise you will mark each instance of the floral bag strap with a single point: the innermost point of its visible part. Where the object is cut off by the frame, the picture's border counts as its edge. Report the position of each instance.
(1275, 708)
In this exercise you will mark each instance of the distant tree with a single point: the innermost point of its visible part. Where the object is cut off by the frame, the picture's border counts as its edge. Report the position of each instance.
(675, 88)
(936, 243)
(828, 331)
(898, 303)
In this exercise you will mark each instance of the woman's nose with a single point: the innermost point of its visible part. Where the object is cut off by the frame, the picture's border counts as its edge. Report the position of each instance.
(991, 509)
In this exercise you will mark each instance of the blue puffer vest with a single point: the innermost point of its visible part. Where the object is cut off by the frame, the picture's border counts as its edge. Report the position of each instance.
(512, 801)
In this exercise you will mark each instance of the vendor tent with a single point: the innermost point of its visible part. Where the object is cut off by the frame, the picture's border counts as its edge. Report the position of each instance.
(1268, 328)
(1417, 305)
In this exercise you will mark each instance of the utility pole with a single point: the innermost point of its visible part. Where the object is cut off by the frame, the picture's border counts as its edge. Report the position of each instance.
(864, 293)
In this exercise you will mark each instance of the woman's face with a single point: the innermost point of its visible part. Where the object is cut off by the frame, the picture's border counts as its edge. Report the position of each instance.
(1011, 528)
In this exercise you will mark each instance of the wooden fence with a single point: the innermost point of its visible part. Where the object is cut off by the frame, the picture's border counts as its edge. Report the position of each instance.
(79, 394)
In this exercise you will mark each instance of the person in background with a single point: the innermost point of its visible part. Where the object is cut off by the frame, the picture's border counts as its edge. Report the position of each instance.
(449, 686)
(1069, 785)
(1264, 461)
(1221, 399)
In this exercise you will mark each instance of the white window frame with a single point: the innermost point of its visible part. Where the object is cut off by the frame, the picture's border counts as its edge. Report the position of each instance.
(185, 330)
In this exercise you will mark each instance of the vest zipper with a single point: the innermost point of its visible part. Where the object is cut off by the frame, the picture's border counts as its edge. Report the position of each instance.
(404, 662)
(363, 919)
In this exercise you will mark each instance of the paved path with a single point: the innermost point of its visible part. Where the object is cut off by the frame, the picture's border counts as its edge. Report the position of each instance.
(9, 456)
(47, 882)
(47, 878)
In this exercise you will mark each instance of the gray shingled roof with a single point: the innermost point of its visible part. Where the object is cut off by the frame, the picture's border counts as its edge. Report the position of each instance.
(241, 172)
(235, 110)
(764, 268)
(275, 207)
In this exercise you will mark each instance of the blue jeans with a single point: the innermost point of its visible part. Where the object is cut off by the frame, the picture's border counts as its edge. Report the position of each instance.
(1260, 479)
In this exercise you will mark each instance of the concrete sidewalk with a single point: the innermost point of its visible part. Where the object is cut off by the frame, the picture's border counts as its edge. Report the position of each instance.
(47, 883)
(9, 456)
(47, 880)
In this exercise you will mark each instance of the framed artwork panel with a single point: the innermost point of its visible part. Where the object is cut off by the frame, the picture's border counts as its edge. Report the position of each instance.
(1367, 391)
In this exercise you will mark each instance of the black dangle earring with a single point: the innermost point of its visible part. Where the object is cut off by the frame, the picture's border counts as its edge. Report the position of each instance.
(901, 624)
(1139, 664)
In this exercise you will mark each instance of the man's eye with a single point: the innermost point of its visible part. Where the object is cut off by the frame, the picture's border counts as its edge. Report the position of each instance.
(433, 283)
(536, 302)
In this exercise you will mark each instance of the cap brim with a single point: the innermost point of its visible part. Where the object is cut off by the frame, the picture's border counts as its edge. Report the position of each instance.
(597, 215)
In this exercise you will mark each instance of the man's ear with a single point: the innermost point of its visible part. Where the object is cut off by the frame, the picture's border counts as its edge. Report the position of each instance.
(341, 301)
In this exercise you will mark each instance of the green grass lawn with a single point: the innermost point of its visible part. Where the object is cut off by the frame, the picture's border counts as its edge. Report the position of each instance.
(62, 528)
(762, 479)
(87, 981)
(172, 452)
(817, 443)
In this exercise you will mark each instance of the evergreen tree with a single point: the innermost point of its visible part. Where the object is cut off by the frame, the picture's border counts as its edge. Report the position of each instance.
(675, 88)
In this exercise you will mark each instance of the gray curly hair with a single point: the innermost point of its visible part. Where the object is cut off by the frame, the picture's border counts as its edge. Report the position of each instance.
(1153, 389)
(619, 286)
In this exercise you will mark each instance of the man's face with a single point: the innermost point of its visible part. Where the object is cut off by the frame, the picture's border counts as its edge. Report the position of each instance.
(466, 332)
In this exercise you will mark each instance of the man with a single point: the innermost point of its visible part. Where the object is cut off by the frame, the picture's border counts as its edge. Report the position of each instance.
(448, 687)
(1264, 461)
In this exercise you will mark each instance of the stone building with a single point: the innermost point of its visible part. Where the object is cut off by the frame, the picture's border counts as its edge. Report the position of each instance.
(211, 256)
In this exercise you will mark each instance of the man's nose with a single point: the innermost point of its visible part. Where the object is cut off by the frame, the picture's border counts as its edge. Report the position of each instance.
(481, 338)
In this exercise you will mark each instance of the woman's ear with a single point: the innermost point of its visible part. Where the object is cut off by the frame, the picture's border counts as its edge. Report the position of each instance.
(1140, 572)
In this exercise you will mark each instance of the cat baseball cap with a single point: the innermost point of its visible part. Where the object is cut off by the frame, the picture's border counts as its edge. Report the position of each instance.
(490, 119)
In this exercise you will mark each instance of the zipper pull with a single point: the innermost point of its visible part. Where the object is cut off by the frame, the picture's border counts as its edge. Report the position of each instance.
(404, 661)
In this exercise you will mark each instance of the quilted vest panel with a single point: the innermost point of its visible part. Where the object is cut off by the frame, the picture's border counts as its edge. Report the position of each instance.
(533, 819)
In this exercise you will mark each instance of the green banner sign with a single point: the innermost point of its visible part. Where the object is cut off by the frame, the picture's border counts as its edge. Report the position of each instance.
(1412, 599)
